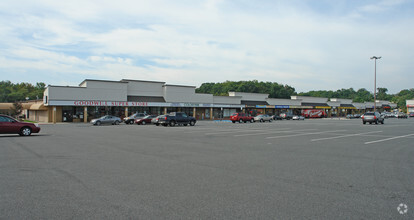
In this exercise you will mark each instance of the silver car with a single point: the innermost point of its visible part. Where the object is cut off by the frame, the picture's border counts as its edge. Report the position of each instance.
(372, 117)
(263, 118)
(107, 119)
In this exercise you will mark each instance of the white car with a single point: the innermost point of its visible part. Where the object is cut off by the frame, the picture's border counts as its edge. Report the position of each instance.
(298, 117)
(263, 118)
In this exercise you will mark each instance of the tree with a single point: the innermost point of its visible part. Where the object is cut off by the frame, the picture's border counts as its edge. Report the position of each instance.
(16, 109)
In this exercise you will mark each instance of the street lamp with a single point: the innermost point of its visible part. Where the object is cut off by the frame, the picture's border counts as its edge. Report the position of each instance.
(375, 82)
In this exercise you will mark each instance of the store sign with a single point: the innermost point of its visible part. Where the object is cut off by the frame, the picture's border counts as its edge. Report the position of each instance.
(323, 107)
(410, 106)
(260, 106)
(96, 103)
(281, 106)
(138, 104)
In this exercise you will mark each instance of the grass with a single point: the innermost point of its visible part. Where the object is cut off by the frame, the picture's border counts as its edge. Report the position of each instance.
(29, 121)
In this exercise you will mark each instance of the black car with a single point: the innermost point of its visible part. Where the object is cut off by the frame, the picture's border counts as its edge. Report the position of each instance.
(277, 117)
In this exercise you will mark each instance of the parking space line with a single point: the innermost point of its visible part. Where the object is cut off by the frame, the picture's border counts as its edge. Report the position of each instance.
(348, 135)
(303, 134)
(236, 131)
(274, 131)
(387, 139)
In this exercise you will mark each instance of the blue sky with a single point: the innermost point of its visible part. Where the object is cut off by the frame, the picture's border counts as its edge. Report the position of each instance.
(310, 45)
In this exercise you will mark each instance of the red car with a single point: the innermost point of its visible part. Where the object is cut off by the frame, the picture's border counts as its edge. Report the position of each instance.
(145, 120)
(241, 117)
(9, 125)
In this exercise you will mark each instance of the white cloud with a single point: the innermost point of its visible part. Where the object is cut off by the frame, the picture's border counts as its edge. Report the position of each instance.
(213, 40)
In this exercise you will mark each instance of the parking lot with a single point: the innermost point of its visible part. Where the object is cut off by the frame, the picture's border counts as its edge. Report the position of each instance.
(312, 169)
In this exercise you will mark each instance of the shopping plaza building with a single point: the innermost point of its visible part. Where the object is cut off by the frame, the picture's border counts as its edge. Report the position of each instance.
(95, 98)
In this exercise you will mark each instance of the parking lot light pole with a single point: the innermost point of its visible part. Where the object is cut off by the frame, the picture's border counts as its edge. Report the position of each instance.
(375, 82)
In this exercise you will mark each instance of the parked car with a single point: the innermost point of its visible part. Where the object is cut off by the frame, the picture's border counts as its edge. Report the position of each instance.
(107, 119)
(286, 115)
(298, 117)
(156, 119)
(411, 114)
(372, 117)
(9, 125)
(263, 118)
(350, 116)
(241, 117)
(145, 120)
(277, 117)
(357, 116)
(176, 118)
(130, 119)
(402, 115)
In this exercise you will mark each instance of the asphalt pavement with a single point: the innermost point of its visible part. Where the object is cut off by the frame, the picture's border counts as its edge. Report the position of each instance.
(311, 169)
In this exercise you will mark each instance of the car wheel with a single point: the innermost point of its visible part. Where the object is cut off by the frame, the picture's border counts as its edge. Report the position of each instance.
(143, 123)
(261, 120)
(370, 122)
(25, 131)
(241, 121)
(252, 120)
(116, 123)
(172, 123)
(98, 123)
(131, 122)
(192, 123)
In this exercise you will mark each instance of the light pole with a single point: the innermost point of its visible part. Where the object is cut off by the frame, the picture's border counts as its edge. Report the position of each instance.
(375, 82)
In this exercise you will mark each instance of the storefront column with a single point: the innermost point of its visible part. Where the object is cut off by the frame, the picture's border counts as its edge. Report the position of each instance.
(126, 112)
(194, 112)
(165, 110)
(85, 114)
(211, 114)
(54, 114)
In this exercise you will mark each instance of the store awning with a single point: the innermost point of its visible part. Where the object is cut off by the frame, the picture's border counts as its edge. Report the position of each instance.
(145, 99)
(6, 106)
(254, 103)
(347, 105)
(38, 107)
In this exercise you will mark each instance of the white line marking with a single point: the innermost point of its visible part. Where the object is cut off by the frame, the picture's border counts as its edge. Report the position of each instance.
(235, 131)
(274, 131)
(294, 135)
(348, 135)
(387, 139)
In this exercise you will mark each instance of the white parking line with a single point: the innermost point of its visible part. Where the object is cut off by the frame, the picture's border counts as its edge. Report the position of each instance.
(348, 135)
(274, 131)
(303, 134)
(387, 139)
(236, 131)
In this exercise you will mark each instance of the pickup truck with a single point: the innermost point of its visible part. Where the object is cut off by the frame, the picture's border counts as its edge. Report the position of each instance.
(176, 118)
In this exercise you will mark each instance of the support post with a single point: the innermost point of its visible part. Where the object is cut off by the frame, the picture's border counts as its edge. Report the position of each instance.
(85, 114)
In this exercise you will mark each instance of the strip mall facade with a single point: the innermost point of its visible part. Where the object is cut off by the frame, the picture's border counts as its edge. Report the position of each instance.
(94, 98)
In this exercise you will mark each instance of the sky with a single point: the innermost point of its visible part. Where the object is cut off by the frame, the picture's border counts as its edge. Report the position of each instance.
(306, 44)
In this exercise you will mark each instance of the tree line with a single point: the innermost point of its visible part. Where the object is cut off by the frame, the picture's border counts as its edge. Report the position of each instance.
(17, 92)
(276, 90)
